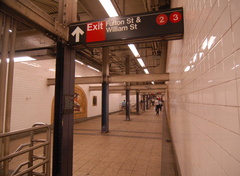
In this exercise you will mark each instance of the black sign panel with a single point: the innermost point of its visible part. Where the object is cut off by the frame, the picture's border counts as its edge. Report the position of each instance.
(161, 23)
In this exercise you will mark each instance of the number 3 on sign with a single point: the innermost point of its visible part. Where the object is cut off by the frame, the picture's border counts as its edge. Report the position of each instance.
(161, 19)
(175, 17)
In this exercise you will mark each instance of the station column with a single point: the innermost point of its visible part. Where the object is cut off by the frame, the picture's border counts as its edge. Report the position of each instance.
(64, 95)
(127, 90)
(137, 102)
(63, 113)
(105, 90)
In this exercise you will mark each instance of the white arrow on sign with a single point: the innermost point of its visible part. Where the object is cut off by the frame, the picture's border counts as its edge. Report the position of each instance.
(78, 31)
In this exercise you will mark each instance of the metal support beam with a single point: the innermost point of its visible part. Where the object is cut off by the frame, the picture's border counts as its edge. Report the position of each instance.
(117, 79)
(152, 91)
(137, 102)
(133, 92)
(135, 78)
(147, 102)
(64, 96)
(63, 114)
(127, 89)
(144, 102)
(31, 14)
(131, 87)
(24, 43)
(105, 91)
(3, 75)
(9, 91)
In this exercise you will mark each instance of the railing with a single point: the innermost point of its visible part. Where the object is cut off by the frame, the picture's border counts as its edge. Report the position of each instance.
(33, 164)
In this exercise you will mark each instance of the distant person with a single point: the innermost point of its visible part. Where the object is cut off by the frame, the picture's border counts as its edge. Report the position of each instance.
(160, 105)
(157, 107)
(123, 104)
(153, 101)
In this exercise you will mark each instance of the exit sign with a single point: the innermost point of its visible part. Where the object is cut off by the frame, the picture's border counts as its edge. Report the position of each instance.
(164, 24)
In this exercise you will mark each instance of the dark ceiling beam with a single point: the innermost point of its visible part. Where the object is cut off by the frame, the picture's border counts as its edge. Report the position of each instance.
(39, 54)
(131, 87)
(153, 91)
(133, 92)
(138, 78)
(88, 60)
(117, 79)
(87, 9)
(28, 12)
(33, 40)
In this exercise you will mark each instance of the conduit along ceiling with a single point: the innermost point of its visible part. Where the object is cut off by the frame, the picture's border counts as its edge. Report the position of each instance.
(41, 44)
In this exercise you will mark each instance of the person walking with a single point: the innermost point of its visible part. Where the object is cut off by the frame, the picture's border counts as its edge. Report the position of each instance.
(123, 104)
(160, 104)
(157, 107)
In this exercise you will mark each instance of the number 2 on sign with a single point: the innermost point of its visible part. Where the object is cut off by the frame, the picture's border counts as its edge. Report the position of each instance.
(161, 19)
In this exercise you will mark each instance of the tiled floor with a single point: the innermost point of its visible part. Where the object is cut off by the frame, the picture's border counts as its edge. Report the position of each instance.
(131, 148)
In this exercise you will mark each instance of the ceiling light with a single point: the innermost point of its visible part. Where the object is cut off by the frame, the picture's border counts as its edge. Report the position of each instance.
(187, 69)
(109, 8)
(146, 71)
(78, 62)
(211, 41)
(205, 44)
(140, 61)
(22, 59)
(195, 58)
(152, 82)
(93, 68)
(134, 50)
(52, 69)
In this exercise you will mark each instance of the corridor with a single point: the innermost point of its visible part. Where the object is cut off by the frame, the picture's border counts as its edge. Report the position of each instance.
(66, 61)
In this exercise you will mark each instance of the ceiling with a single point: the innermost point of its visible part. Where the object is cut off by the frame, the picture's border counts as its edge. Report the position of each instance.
(152, 53)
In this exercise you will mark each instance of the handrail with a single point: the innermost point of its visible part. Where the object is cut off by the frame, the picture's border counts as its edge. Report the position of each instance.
(2, 135)
(23, 151)
(32, 145)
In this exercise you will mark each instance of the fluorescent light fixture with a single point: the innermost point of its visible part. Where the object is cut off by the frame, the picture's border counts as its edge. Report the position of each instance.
(109, 8)
(211, 41)
(78, 76)
(187, 69)
(146, 71)
(52, 69)
(140, 61)
(195, 58)
(205, 44)
(22, 59)
(93, 68)
(134, 50)
(78, 62)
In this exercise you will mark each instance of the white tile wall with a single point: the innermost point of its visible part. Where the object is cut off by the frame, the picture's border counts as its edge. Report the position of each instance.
(205, 103)
(32, 98)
